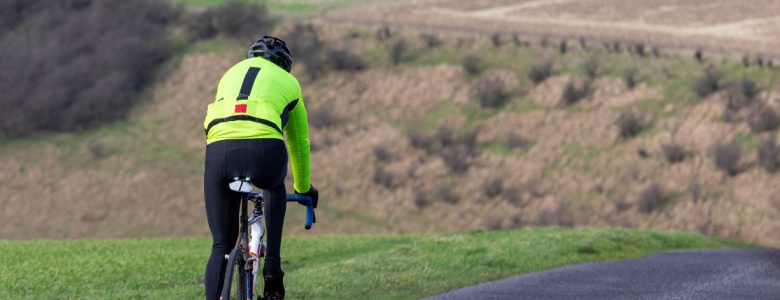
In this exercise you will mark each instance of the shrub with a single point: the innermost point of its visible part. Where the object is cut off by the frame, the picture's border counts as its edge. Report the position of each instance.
(493, 187)
(446, 136)
(383, 33)
(234, 19)
(769, 155)
(431, 41)
(736, 97)
(540, 72)
(421, 198)
(573, 94)
(748, 88)
(382, 154)
(496, 39)
(491, 92)
(726, 157)
(420, 141)
(562, 47)
(456, 155)
(763, 118)
(472, 64)
(514, 140)
(651, 198)
(629, 125)
(591, 67)
(444, 194)
(397, 50)
(673, 152)
(708, 83)
(456, 159)
(75, 65)
(695, 190)
(322, 117)
(345, 60)
(640, 49)
(630, 78)
(303, 40)
(382, 177)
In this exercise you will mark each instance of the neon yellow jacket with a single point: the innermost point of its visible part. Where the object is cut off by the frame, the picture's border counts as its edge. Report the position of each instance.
(258, 99)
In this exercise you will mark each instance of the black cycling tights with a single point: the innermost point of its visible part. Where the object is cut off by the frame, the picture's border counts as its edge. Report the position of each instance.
(263, 160)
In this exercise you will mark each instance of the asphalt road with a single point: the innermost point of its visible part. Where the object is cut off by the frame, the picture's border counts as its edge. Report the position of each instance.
(704, 274)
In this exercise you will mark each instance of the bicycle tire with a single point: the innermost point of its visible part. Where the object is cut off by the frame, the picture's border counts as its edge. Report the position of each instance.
(235, 277)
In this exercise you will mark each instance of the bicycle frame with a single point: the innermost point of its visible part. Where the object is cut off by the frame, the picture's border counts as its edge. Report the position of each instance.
(242, 242)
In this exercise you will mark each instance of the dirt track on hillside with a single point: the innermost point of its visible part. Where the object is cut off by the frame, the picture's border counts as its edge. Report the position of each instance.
(725, 26)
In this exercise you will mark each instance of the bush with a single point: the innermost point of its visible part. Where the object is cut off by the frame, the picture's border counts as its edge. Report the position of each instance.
(421, 141)
(515, 140)
(233, 19)
(472, 64)
(496, 39)
(573, 94)
(322, 117)
(695, 190)
(303, 40)
(493, 187)
(769, 155)
(591, 67)
(344, 60)
(75, 65)
(540, 72)
(763, 118)
(431, 41)
(446, 136)
(629, 125)
(421, 198)
(640, 49)
(630, 78)
(708, 83)
(651, 198)
(562, 47)
(381, 154)
(491, 92)
(397, 50)
(444, 194)
(736, 97)
(382, 177)
(456, 158)
(457, 154)
(748, 88)
(673, 152)
(726, 157)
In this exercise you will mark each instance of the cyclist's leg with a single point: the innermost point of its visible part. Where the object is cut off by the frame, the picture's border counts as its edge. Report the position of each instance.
(222, 207)
(269, 175)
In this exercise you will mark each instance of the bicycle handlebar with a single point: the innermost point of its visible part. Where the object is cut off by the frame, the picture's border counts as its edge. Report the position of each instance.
(302, 199)
(310, 218)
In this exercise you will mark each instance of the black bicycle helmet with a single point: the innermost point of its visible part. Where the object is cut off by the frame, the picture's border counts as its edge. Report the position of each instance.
(272, 49)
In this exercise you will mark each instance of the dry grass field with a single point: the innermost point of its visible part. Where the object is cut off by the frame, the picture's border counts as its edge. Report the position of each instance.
(724, 26)
(409, 147)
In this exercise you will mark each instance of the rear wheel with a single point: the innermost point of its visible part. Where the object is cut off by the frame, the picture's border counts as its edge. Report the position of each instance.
(235, 277)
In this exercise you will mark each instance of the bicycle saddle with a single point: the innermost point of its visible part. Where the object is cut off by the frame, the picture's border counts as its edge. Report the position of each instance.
(241, 185)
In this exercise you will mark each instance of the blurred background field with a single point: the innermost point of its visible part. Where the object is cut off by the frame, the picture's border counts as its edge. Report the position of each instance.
(515, 116)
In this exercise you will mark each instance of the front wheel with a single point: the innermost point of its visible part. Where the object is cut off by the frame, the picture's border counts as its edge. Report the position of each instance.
(235, 277)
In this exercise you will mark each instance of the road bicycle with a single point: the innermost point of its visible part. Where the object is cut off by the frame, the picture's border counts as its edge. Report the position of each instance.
(244, 259)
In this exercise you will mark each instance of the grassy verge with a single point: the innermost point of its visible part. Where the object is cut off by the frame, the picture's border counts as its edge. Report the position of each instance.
(320, 267)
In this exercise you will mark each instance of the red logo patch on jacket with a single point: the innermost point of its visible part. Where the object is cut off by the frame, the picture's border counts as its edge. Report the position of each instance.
(240, 108)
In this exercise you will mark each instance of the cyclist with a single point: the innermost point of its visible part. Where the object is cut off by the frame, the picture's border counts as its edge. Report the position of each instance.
(256, 100)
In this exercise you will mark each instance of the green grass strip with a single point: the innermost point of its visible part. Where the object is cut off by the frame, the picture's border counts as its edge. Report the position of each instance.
(320, 267)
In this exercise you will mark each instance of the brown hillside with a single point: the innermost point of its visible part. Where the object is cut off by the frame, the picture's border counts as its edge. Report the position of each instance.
(408, 148)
